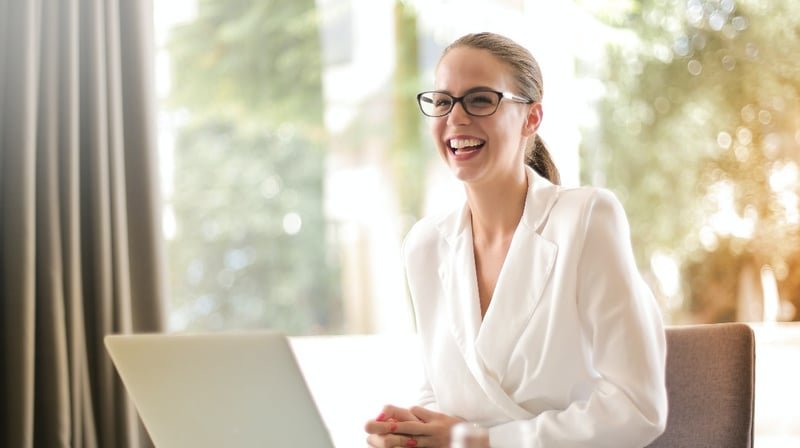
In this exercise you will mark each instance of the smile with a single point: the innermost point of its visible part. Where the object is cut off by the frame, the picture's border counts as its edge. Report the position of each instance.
(465, 145)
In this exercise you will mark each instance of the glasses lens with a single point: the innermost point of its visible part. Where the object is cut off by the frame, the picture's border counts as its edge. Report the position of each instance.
(481, 103)
(435, 104)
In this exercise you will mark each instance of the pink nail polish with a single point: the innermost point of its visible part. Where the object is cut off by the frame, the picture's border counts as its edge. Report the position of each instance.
(392, 427)
(411, 442)
(380, 417)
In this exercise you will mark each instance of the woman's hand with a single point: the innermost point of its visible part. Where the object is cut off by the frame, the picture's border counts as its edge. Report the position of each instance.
(385, 424)
(415, 427)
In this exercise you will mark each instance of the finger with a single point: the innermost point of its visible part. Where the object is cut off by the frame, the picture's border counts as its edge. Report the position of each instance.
(423, 442)
(398, 413)
(413, 428)
(373, 427)
(424, 414)
(376, 441)
(402, 441)
(395, 441)
(376, 427)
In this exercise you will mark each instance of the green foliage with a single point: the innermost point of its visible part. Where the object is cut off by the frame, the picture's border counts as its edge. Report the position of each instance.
(706, 95)
(250, 60)
(409, 155)
(251, 247)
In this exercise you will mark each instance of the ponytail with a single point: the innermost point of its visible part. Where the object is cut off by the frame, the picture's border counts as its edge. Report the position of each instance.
(538, 158)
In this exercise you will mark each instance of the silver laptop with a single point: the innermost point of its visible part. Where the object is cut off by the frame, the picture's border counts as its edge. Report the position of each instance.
(218, 390)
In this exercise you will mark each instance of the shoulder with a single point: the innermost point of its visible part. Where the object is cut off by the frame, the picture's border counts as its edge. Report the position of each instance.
(583, 211)
(587, 195)
(429, 231)
(423, 233)
(587, 201)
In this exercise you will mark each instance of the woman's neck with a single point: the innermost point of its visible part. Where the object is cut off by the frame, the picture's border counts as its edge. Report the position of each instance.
(497, 207)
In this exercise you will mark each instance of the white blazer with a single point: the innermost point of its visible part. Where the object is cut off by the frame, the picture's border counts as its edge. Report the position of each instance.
(571, 350)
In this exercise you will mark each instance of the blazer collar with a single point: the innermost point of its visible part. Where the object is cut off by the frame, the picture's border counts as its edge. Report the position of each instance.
(539, 200)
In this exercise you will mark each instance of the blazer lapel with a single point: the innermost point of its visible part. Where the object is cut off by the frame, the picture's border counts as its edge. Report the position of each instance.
(523, 278)
(460, 285)
(461, 295)
(487, 345)
(525, 273)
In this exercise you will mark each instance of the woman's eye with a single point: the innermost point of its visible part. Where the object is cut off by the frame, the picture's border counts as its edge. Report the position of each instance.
(481, 100)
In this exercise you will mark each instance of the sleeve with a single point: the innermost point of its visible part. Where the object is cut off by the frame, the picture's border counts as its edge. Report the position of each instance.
(425, 398)
(622, 325)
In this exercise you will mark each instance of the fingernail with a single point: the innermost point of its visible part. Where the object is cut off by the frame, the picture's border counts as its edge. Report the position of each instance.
(411, 442)
(393, 427)
(380, 417)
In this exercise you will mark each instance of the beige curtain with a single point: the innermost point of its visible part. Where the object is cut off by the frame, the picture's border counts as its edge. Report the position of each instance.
(80, 245)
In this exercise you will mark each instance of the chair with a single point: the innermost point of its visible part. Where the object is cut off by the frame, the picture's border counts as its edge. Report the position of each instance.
(710, 386)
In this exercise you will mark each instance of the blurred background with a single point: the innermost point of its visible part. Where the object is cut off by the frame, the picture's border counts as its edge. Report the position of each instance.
(295, 160)
(294, 157)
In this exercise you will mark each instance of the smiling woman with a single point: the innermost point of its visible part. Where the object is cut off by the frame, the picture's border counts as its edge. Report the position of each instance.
(480, 100)
(519, 274)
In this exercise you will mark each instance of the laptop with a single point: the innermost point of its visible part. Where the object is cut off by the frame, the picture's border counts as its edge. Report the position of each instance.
(218, 390)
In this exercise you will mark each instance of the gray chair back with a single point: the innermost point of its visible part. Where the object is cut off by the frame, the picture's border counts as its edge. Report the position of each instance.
(710, 385)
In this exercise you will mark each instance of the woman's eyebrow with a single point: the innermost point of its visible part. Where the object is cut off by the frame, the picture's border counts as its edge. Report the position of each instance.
(480, 89)
(468, 91)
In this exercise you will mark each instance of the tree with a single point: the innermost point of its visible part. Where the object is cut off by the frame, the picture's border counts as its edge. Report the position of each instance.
(409, 155)
(251, 249)
(698, 135)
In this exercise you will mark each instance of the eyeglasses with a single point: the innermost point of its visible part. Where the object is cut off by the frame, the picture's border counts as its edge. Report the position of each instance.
(478, 103)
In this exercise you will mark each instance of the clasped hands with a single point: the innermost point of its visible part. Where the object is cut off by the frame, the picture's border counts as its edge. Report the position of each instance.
(419, 427)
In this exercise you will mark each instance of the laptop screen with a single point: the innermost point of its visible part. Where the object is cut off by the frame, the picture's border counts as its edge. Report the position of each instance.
(219, 389)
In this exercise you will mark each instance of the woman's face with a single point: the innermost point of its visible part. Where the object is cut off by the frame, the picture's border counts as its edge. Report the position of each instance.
(482, 149)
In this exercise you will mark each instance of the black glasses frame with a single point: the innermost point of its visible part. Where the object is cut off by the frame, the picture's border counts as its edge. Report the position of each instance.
(460, 99)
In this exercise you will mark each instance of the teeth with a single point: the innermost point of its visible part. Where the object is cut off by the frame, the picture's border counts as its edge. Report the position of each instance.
(458, 143)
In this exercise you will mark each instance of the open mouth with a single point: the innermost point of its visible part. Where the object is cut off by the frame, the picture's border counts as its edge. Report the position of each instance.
(465, 145)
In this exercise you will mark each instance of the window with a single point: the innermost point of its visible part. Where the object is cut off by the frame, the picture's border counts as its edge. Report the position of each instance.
(295, 159)
(292, 152)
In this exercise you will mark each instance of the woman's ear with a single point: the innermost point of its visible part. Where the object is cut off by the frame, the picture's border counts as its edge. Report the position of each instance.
(533, 120)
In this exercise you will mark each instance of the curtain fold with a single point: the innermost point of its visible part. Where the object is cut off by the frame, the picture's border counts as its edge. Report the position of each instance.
(80, 244)
(17, 193)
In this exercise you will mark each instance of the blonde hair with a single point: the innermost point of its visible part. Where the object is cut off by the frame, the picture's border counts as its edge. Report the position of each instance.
(528, 77)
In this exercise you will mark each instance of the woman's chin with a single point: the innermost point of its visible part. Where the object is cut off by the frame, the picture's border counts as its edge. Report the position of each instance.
(465, 174)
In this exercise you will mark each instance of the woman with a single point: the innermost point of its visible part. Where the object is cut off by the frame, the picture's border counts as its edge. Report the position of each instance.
(533, 318)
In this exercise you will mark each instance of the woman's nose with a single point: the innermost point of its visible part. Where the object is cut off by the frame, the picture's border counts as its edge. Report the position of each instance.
(458, 115)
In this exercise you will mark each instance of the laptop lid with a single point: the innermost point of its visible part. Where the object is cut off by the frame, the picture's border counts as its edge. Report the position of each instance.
(219, 389)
